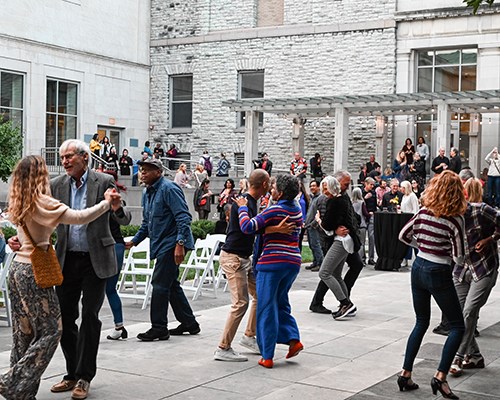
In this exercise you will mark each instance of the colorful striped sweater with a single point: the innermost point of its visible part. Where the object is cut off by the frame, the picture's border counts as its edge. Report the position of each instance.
(279, 250)
(437, 239)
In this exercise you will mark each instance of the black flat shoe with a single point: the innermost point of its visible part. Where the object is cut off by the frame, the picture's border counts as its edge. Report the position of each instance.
(181, 329)
(436, 385)
(118, 334)
(405, 385)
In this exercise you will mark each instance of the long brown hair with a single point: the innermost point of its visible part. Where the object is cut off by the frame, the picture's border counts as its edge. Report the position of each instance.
(30, 180)
(444, 196)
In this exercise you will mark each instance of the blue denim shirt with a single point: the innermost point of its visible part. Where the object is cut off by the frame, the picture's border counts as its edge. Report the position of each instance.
(165, 218)
(77, 238)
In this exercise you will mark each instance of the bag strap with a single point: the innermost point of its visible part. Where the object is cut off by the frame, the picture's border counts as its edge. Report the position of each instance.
(496, 166)
(27, 232)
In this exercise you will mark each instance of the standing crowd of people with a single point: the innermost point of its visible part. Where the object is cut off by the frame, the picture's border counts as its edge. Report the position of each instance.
(456, 263)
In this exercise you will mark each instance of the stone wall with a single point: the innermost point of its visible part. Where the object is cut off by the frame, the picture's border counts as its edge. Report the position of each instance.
(339, 62)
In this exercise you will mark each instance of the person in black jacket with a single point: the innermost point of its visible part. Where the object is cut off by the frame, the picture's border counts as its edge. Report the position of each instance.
(455, 161)
(315, 163)
(264, 163)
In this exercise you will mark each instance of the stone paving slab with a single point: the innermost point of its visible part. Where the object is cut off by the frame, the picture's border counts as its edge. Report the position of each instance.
(358, 358)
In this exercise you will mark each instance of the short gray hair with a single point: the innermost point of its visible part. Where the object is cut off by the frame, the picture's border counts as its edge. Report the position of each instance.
(333, 185)
(341, 173)
(80, 147)
(288, 185)
(466, 174)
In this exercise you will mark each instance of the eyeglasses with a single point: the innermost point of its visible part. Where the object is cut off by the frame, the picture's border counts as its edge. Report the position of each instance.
(69, 156)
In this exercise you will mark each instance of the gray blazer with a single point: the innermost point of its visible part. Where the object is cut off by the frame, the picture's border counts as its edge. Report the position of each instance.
(101, 243)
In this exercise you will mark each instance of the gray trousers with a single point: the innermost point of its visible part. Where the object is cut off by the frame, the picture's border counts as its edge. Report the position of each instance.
(331, 270)
(472, 295)
(371, 238)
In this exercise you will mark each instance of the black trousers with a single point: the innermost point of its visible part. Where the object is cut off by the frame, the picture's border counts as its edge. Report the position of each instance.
(80, 345)
(355, 266)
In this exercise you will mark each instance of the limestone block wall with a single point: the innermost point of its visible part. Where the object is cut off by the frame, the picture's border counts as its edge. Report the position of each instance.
(309, 65)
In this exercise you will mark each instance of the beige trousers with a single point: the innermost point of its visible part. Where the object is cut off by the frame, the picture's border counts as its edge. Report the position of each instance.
(241, 283)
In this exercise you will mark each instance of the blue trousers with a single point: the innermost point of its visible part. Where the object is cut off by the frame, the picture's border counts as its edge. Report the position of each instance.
(275, 323)
(432, 279)
(113, 298)
(494, 190)
(167, 289)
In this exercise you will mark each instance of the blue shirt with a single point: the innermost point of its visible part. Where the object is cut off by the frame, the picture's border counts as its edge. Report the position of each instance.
(77, 238)
(165, 218)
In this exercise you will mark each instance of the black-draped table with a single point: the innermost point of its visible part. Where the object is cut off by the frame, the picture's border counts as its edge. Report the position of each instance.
(390, 250)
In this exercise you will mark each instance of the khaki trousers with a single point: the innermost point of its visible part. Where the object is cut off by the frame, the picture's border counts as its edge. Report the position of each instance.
(241, 283)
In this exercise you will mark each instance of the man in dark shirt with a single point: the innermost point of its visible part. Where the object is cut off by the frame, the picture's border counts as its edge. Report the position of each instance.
(237, 265)
(392, 199)
(455, 161)
(370, 197)
(440, 163)
(372, 165)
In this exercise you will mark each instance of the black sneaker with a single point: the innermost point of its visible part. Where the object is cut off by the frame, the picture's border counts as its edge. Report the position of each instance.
(371, 262)
(311, 266)
(154, 334)
(182, 328)
(321, 309)
(343, 311)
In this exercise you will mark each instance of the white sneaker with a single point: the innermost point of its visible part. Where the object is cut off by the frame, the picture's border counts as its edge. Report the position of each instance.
(250, 343)
(228, 355)
(404, 263)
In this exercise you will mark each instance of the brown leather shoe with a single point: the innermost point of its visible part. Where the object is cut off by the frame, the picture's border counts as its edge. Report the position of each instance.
(63, 386)
(81, 390)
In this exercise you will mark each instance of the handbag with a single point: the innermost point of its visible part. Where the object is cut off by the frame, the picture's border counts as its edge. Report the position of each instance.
(46, 267)
(202, 201)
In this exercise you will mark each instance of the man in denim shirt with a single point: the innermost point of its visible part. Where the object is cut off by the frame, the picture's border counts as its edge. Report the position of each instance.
(167, 222)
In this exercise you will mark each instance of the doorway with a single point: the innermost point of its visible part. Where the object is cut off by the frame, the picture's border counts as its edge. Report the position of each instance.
(114, 134)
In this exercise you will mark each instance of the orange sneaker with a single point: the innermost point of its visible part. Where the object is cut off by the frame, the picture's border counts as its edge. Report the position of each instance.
(295, 348)
(266, 363)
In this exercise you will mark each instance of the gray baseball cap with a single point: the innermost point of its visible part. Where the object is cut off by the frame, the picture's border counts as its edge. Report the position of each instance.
(153, 162)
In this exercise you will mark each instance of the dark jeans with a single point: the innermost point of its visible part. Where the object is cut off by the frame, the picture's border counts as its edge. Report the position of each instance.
(80, 346)
(432, 279)
(114, 300)
(494, 190)
(355, 266)
(167, 289)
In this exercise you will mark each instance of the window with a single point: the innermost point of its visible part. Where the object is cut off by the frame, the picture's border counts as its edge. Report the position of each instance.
(181, 101)
(61, 112)
(250, 86)
(11, 98)
(447, 71)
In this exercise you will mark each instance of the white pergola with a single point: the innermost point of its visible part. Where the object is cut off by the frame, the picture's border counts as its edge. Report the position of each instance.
(441, 104)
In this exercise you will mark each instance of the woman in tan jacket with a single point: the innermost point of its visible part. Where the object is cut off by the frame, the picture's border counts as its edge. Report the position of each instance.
(36, 317)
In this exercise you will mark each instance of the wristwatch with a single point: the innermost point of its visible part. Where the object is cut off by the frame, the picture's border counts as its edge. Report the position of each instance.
(180, 242)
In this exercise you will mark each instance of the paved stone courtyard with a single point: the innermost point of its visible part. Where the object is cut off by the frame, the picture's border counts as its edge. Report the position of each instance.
(355, 359)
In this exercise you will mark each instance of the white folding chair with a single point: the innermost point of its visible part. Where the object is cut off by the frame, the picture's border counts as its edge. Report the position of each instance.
(4, 289)
(201, 262)
(220, 277)
(136, 275)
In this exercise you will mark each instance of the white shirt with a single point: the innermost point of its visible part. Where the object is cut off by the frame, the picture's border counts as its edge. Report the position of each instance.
(423, 150)
(409, 204)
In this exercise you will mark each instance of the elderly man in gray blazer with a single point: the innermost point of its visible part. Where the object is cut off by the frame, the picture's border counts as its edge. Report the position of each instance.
(87, 256)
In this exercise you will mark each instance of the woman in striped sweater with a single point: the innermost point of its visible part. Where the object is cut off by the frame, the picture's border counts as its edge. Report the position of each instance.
(437, 230)
(277, 268)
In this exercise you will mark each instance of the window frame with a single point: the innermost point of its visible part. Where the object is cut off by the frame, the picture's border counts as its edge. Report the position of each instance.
(240, 116)
(57, 114)
(23, 94)
(171, 102)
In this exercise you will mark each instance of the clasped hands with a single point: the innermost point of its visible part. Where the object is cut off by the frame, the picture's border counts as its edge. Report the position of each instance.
(113, 198)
